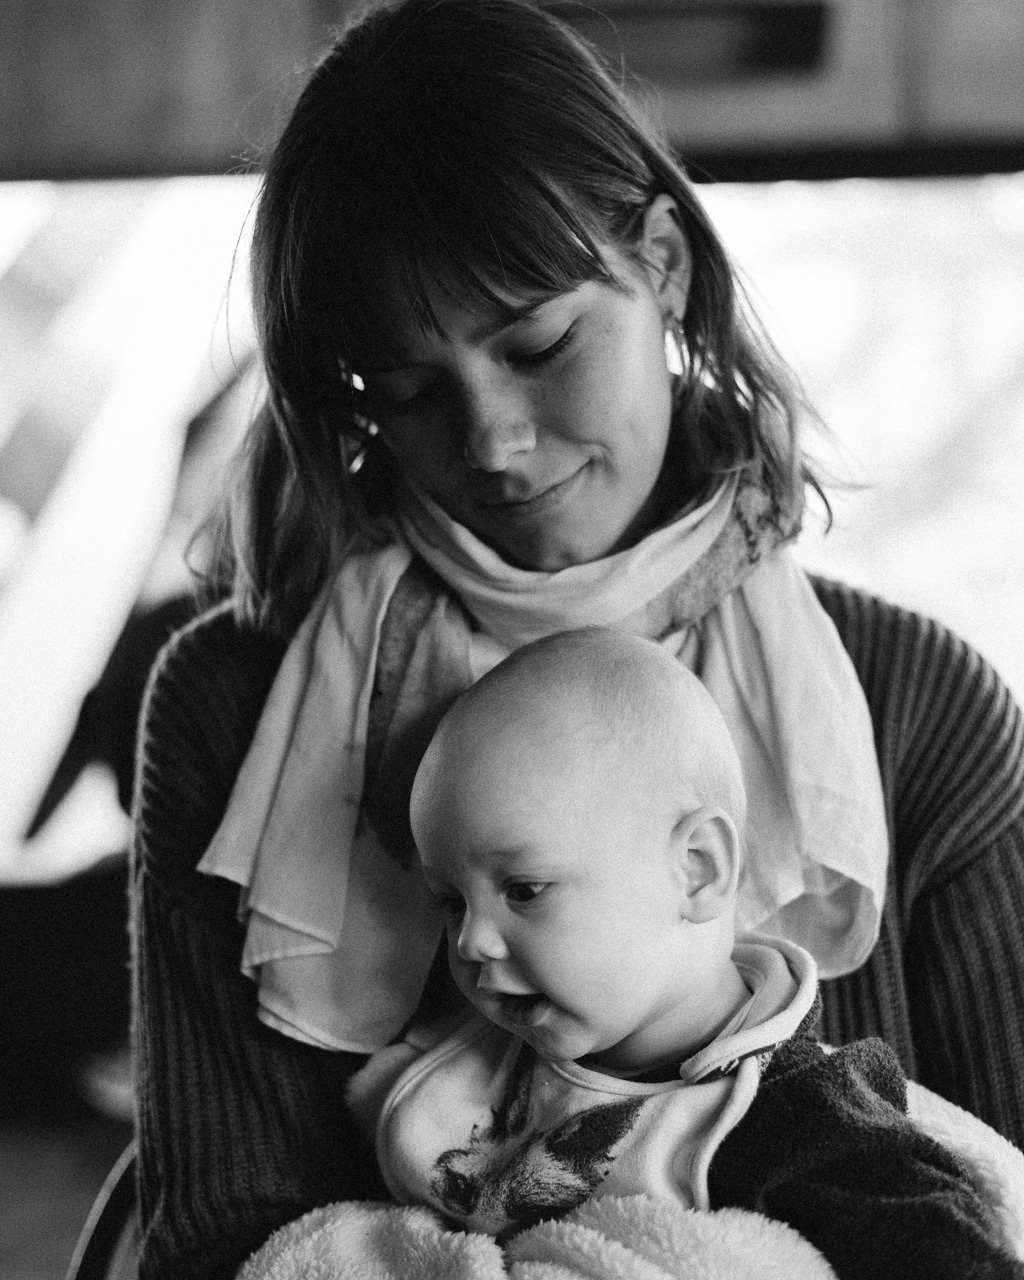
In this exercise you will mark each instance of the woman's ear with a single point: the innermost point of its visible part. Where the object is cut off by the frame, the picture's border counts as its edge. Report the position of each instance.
(706, 853)
(666, 254)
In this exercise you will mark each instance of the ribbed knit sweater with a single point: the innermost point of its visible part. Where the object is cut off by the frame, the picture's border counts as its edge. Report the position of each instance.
(241, 1129)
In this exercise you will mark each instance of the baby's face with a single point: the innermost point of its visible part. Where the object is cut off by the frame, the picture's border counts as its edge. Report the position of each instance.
(554, 870)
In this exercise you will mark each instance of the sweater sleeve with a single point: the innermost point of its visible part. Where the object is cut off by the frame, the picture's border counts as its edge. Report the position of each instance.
(239, 1129)
(966, 985)
(827, 1147)
(950, 742)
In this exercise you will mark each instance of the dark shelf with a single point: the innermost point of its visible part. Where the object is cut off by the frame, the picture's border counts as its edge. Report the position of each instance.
(906, 160)
(705, 41)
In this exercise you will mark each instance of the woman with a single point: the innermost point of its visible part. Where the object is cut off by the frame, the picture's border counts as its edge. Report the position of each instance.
(511, 390)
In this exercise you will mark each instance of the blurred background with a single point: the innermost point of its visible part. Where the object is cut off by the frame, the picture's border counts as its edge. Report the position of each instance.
(864, 161)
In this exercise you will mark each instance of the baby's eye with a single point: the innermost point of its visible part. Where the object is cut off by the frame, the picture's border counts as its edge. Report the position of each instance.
(524, 891)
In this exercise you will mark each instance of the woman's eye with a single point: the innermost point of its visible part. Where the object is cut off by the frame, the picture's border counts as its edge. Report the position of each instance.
(532, 359)
(525, 891)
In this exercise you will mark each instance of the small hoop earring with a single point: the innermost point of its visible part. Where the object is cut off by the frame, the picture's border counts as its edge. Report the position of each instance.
(677, 357)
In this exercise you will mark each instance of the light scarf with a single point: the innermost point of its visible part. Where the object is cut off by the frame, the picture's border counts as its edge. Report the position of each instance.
(340, 933)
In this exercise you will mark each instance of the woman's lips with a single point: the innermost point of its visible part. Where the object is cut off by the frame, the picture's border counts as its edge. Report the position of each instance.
(517, 508)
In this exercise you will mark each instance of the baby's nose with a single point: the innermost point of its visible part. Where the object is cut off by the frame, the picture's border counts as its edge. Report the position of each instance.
(479, 941)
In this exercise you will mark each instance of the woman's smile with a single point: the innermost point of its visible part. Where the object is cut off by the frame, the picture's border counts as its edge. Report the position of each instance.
(533, 505)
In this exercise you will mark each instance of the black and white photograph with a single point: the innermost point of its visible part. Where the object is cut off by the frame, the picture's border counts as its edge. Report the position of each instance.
(511, 640)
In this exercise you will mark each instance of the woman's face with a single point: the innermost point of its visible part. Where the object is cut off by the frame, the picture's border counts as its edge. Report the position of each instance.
(541, 426)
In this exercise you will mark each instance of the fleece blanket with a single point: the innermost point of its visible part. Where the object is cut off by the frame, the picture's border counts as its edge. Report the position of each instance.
(609, 1238)
(613, 1238)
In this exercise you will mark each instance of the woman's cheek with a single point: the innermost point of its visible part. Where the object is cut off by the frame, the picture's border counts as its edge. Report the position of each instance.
(583, 395)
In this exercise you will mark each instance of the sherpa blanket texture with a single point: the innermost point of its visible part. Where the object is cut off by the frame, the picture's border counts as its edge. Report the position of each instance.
(611, 1238)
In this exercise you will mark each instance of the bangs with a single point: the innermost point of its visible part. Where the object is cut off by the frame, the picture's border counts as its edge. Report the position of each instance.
(480, 239)
(484, 153)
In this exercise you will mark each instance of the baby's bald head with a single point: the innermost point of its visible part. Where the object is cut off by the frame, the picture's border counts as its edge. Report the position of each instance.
(602, 695)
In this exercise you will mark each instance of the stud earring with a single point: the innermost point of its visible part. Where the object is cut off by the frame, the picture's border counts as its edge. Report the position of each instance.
(675, 348)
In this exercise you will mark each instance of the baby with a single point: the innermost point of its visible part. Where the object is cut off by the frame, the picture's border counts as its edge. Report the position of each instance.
(578, 815)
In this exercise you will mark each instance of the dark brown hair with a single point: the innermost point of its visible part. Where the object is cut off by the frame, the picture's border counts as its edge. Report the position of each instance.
(473, 143)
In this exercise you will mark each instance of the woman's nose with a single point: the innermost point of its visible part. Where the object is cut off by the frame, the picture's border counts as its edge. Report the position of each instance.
(479, 941)
(498, 426)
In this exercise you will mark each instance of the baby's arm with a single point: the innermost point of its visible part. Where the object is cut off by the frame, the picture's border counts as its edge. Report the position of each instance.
(828, 1148)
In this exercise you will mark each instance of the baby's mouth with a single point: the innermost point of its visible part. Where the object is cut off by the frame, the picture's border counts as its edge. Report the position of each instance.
(521, 1009)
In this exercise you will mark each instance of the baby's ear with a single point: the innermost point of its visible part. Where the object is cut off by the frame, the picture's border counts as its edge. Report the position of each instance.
(706, 854)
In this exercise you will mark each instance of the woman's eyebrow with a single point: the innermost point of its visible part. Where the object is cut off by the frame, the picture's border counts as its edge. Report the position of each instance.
(508, 315)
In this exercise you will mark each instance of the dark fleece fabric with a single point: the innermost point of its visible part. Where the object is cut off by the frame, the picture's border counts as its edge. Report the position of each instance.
(827, 1147)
